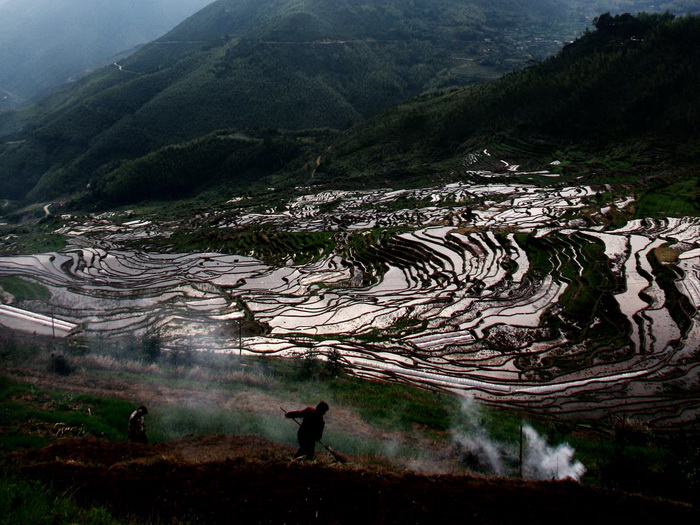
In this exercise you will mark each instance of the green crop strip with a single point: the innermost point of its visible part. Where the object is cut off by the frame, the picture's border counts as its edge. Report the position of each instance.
(33, 415)
(24, 290)
(681, 199)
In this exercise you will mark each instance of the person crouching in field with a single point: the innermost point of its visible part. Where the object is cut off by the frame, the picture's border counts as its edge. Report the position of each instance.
(310, 430)
(137, 426)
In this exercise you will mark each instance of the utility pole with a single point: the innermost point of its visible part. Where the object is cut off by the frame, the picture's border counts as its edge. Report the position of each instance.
(238, 317)
(521, 451)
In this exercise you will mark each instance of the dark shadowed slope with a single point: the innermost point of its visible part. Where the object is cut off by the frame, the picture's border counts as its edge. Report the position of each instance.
(272, 64)
(246, 479)
(624, 92)
(279, 64)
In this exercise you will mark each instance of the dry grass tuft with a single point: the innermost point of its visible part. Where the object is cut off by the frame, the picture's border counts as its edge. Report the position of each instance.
(246, 378)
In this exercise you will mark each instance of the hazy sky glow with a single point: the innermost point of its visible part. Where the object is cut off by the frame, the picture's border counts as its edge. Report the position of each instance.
(44, 42)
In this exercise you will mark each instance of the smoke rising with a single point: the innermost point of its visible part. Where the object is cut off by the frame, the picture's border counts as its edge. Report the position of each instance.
(472, 439)
(480, 452)
(542, 461)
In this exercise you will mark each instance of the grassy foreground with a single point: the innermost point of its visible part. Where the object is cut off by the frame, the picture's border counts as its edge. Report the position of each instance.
(24, 501)
(377, 423)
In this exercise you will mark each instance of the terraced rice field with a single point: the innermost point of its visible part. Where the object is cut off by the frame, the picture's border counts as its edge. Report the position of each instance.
(515, 293)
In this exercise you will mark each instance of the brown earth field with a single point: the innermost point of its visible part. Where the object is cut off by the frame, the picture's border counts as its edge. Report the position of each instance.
(247, 479)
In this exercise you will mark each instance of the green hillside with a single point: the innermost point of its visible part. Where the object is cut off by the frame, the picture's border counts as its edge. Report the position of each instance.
(286, 65)
(625, 92)
(271, 64)
(620, 97)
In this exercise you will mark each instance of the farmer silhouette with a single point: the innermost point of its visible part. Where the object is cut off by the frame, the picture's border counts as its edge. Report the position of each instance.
(137, 425)
(310, 430)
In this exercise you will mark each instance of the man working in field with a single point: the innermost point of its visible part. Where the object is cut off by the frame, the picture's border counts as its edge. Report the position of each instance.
(310, 430)
(137, 426)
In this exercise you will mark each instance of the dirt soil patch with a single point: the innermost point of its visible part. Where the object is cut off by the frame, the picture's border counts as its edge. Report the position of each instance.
(247, 479)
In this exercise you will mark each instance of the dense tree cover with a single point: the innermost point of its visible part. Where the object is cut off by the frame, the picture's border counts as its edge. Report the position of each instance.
(276, 64)
(632, 81)
(288, 65)
(180, 171)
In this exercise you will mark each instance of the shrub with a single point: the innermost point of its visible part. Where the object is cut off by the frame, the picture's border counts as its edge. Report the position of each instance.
(150, 348)
(58, 364)
(309, 366)
(333, 366)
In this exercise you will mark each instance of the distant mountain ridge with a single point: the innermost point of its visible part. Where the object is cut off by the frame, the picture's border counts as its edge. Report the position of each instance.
(267, 64)
(623, 94)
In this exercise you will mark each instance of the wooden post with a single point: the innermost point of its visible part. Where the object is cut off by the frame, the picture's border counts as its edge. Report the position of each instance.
(521, 452)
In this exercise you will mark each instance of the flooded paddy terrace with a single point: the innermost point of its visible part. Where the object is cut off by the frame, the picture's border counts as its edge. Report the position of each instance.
(516, 293)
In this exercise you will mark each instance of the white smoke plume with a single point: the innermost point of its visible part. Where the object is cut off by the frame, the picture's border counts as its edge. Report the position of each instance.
(472, 439)
(481, 452)
(541, 461)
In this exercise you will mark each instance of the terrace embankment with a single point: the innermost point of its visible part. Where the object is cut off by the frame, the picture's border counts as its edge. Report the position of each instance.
(501, 286)
(247, 479)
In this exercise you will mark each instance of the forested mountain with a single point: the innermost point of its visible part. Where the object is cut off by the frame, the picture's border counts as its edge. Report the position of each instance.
(625, 93)
(45, 42)
(265, 64)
